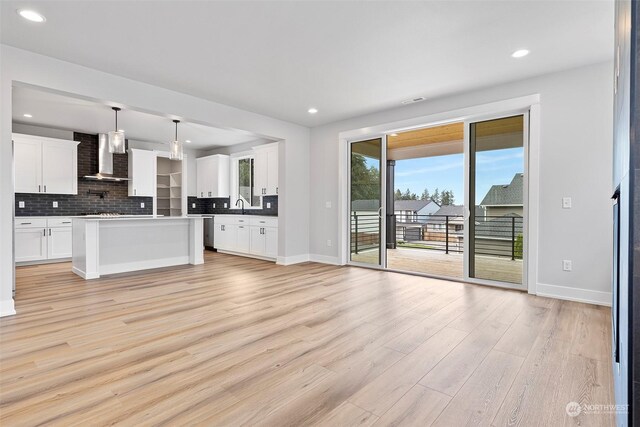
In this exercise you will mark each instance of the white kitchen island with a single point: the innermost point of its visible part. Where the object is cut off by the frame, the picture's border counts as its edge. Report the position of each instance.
(121, 244)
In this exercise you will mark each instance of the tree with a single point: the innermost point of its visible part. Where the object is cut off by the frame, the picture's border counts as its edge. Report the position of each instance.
(365, 180)
(425, 195)
(446, 198)
(436, 196)
(397, 195)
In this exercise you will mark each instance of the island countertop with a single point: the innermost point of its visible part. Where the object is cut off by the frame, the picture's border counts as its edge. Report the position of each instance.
(118, 244)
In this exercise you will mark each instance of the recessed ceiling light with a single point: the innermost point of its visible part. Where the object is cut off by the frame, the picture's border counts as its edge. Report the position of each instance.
(520, 53)
(393, 134)
(27, 115)
(31, 15)
(120, 130)
(188, 141)
(312, 110)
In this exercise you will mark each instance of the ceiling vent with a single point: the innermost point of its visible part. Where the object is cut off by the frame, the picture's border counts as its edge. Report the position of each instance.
(412, 100)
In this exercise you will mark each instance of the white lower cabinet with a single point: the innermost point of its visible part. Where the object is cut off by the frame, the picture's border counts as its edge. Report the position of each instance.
(247, 235)
(31, 244)
(42, 239)
(59, 243)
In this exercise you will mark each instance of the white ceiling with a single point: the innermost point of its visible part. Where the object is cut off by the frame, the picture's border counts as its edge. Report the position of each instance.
(62, 112)
(345, 58)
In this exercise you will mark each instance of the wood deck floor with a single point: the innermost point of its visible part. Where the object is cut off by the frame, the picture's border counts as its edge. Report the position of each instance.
(238, 341)
(439, 263)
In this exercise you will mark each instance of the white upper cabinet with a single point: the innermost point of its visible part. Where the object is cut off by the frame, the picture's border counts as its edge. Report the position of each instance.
(212, 176)
(28, 165)
(142, 173)
(266, 169)
(58, 159)
(45, 165)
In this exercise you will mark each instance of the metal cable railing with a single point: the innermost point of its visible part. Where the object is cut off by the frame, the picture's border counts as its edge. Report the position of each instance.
(500, 236)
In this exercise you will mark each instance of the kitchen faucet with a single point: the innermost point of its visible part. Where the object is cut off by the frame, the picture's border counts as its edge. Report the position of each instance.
(238, 201)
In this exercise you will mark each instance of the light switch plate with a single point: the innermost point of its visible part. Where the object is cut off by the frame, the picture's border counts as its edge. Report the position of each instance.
(328, 204)
(225, 205)
(214, 206)
(55, 204)
(567, 265)
(142, 204)
(566, 203)
(268, 205)
(193, 205)
(21, 205)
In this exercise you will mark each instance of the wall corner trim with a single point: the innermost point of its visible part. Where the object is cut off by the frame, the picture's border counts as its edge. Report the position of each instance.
(294, 259)
(574, 294)
(7, 308)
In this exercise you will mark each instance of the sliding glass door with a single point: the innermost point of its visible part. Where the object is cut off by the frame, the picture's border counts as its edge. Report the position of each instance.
(366, 206)
(410, 209)
(497, 200)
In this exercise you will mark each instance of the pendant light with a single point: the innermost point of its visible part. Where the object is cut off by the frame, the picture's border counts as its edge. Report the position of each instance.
(116, 137)
(175, 146)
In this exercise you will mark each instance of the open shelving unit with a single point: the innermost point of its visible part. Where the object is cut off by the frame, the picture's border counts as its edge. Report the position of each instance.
(169, 187)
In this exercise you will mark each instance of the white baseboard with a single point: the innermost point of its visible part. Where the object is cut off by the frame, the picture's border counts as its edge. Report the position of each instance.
(7, 308)
(290, 260)
(324, 259)
(574, 294)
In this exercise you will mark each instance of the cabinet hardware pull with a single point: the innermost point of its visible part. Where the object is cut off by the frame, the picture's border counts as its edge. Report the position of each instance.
(25, 223)
(38, 188)
(276, 190)
(66, 222)
(45, 188)
(49, 232)
(135, 192)
(44, 231)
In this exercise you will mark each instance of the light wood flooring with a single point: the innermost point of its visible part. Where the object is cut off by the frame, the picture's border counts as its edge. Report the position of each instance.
(238, 341)
(439, 263)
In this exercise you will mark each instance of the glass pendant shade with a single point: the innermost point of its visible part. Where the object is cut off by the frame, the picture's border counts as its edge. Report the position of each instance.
(116, 142)
(175, 146)
(175, 152)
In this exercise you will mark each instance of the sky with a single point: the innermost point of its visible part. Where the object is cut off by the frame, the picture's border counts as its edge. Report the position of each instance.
(446, 172)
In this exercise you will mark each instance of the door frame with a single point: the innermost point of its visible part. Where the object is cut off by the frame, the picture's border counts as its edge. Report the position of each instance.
(512, 106)
(525, 196)
(383, 203)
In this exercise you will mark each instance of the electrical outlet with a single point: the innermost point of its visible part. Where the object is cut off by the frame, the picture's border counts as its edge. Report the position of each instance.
(214, 206)
(328, 204)
(566, 203)
(193, 205)
(225, 205)
(142, 204)
(21, 205)
(566, 265)
(55, 204)
(268, 205)
(329, 242)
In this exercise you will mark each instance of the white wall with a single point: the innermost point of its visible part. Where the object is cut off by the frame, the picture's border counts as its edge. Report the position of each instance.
(575, 160)
(21, 67)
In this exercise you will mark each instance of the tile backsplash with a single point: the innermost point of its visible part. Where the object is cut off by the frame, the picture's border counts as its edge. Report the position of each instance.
(116, 198)
(205, 206)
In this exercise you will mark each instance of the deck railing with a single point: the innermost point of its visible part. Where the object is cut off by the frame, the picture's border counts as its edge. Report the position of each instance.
(499, 236)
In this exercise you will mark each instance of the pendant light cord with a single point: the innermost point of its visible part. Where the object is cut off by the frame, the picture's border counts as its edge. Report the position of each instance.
(176, 122)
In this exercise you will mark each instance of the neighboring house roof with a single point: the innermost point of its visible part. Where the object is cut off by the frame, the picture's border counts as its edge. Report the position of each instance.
(509, 194)
(500, 228)
(365, 205)
(411, 205)
(455, 213)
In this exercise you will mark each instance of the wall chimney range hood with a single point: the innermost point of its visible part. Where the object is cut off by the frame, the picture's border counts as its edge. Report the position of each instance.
(105, 162)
